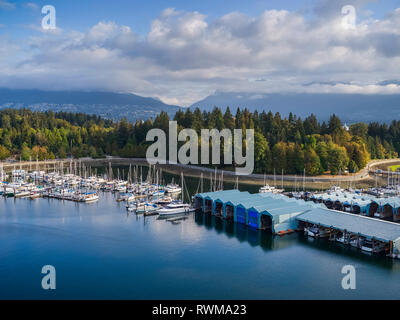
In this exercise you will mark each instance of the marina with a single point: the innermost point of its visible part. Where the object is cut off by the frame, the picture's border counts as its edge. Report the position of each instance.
(111, 219)
(270, 209)
(369, 235)
(176, 154)
(282, 215)
(77, 183)
(146, 257)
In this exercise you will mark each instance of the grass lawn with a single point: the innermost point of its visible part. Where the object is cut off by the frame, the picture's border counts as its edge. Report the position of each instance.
(395, 167)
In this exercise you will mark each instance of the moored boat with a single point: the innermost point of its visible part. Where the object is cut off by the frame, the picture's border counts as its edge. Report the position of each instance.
(175, 208)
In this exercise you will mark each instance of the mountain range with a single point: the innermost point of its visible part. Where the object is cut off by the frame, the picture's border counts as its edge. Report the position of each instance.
(106, 104)
(349, 107)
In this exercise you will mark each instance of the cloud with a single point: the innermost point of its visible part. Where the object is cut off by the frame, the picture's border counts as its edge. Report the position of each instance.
(186, 56)
(31, 5)
(6, 5)
(328, 9)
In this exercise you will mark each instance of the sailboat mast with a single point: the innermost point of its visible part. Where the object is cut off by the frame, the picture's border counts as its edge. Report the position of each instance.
(182, 187)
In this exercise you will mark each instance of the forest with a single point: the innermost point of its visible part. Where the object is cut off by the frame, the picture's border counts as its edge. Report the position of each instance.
(282, 144)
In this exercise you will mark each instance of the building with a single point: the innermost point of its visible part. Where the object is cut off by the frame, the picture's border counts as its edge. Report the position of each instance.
(365, 233)
(265, 211)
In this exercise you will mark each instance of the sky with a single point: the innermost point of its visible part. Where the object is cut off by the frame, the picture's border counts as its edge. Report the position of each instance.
(182, 51)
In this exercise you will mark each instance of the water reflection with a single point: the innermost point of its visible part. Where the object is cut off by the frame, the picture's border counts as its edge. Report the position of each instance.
(350, 252)
(243, 233)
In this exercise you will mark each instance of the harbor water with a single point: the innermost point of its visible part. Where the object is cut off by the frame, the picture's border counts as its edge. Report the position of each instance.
(100, 251)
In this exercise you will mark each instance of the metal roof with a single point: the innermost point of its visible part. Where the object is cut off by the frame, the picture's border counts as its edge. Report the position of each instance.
(365, 226)
(357, 199)
(273, 204)
(216, 194)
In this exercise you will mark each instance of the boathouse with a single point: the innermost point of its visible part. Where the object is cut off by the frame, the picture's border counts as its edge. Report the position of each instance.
(356, 230)
(265, 211)
(368, 205)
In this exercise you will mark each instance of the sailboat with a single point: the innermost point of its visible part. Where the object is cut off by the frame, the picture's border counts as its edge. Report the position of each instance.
(176, 207)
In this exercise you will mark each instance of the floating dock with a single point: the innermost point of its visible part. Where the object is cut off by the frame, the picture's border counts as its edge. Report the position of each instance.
(363, 204)
(368, 234)
(281, 215)
(265, 211)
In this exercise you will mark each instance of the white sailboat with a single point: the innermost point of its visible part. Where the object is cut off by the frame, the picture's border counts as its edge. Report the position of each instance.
(176, 207)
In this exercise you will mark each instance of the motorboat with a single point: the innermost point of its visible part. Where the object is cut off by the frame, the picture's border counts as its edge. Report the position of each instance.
(316, 232)
(147, 208)
(163, 200)
(267, 188)
(88, 197)
(172, 188)
(158, 193)
(35, 195)
(22, 194)
(124, 196)
(175, 208)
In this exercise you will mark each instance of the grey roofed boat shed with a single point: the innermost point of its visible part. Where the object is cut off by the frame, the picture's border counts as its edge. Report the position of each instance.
(381, 230)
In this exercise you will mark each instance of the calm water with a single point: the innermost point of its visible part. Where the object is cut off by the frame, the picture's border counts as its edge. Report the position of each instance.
(101, 252)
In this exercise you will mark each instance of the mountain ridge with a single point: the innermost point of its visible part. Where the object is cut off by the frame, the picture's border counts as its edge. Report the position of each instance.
(107, 104)
(348, 107)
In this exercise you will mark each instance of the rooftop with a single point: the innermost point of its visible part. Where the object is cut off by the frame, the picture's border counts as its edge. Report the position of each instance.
(365, 226)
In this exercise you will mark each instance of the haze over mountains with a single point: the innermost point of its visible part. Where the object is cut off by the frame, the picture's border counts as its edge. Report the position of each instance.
(349, 107)
(106, 104)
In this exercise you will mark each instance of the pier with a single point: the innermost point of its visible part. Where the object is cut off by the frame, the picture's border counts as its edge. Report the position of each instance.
(373, 206)
(371, 235)
(264, 211)
(281, 215)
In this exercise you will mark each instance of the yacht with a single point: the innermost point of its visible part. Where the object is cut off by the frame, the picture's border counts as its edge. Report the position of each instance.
(35, 195)
(131, 207)
(22, 194)
(267, 188)
(158, 193)
(124, 196)
(175, 208)
(163, 200)
(316, 232)
(147, 208)
(173, 188)
(89, 197)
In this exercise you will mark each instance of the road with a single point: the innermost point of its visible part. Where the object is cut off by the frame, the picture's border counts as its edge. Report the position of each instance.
(363, 176)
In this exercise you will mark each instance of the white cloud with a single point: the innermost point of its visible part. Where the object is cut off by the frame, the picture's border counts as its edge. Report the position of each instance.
(185, 56)
(31, 5)
(4, 4)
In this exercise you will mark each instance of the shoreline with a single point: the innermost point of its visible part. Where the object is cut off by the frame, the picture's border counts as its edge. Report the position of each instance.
(361, 179)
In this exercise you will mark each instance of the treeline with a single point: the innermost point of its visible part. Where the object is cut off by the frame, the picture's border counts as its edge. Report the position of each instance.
(289, 144)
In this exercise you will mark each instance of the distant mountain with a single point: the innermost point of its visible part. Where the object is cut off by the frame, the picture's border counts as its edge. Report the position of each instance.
(349, 107)
(106, 104)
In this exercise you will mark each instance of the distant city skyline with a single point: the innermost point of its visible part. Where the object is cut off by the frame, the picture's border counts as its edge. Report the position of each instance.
(181, 51)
